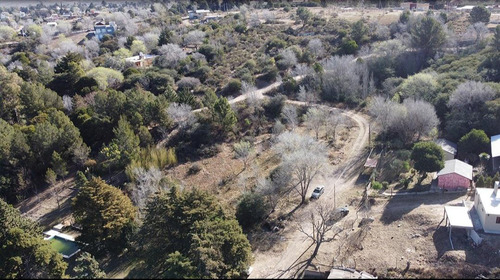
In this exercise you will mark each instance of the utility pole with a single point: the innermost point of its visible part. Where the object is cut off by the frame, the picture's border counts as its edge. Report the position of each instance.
(334, 196)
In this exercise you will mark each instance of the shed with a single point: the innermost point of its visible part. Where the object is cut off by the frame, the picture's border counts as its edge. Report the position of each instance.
(455, 175)
(495, 152)
(487, 205)
(449, 148)
(457, 217)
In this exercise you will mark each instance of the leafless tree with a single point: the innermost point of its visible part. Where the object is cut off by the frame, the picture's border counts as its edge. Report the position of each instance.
(68, 103)
(91, 49)
(150, 40)
(315, 119)
(333, 121)
(188, 82)
(322, 220)
(171, 55)
(182, 115)
(421, 116)
(381, 108)
(344, 78)
(289, 113)
(80, 154)
(242, 150)
(144, 184)
(254, 20)
(315, 46)
(278, 128)
(64, 27)
(268, 16)
(274, 188)
(469, 94)
(303, 157)
(288, 58)
(194, 37)
(477, 32)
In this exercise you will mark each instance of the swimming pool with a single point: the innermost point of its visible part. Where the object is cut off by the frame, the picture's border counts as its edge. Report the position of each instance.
(66, 247)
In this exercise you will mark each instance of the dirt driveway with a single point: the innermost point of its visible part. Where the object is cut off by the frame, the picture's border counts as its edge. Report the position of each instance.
(284, 260)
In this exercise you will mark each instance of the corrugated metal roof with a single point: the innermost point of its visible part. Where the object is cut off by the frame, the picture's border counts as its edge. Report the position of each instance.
(495, 145)
(457, 166)
(447, 145)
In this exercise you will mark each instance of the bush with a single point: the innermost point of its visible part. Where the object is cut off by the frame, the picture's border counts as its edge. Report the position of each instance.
(194, 169)
(377, 185)
(233, 87)
(251, 210)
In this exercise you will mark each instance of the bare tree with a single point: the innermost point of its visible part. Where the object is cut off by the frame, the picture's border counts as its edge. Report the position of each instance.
(315, 46)
(303, 157)
(91, 49)
(254, 20)
(278, 128)
(68, 103)
(382, 109)
(421, 117)
(268, 16)
(288, 58)
(145, 182)
(274, 188)
(289, 113)
(194, 37)
(150, 40)
(315, 119)
(333, 121)
(182, 115)
(171, 55)
(242, 150)
(322, 219)
(470, 94)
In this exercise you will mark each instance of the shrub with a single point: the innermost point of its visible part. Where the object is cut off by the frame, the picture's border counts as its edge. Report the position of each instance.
(377, 185)
(251, 210)
(233, 87)
(194, 169)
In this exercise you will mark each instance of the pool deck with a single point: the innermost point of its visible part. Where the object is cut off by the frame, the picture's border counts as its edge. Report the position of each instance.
(51, 233)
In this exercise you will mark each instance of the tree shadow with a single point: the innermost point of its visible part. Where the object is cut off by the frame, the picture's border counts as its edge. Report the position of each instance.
(398, 206)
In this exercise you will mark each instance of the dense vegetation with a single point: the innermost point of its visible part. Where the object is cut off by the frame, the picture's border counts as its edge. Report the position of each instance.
(80, 110)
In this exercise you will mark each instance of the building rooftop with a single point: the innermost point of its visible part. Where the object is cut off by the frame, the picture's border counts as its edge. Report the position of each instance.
(447, 145)
(458, 216)
(495, 145)
(456, 166)
(491, 204)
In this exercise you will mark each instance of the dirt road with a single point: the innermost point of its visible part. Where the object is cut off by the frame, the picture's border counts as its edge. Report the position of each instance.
(284, 264)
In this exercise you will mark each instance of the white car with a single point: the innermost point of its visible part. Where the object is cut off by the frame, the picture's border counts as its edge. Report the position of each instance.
(318, 191)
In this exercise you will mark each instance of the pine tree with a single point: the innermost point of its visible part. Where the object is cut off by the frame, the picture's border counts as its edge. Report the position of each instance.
(223, 115)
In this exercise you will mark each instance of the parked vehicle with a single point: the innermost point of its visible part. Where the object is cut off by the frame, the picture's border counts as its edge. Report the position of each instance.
(318, 191)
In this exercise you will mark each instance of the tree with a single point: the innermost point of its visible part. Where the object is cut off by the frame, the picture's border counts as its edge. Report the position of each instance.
(242, 150)
(87, 267)
(322, 219)
(470, 96)
(304, 159)
(23, 252)
(165, 37)
(170, 56)
(496, 38)
(223, 115)
(59, 165)
(105, 214)
(182, 115)
(198, 239)
(333, 120)
(287, 59)
(315, 119)
(251, 210)
(420, 86)
(315, 46)
(472, 144)
(427, 157)
(428, 35)
(105, 77)
(304, 14)
(289, 113)
(194, 37)
(6, 33)
(145, 183)
(480, 14)
(359, 32)
(126, 140)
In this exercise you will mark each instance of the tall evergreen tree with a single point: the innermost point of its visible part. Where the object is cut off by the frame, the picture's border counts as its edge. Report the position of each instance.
(106, 215)
(23, 252)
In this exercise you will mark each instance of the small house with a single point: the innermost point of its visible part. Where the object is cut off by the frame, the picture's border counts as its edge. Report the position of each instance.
(455, 175)
(449, 148)
(101, 29)
(198, 14)
(141, 60)
(495, 152)
(487, 205)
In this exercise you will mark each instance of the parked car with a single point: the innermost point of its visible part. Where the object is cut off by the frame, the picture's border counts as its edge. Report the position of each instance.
(343, 211)
(318, 191)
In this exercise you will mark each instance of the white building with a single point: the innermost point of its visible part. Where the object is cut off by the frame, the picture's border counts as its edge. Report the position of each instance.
(495, 152)
(449, 148)
(487, 204)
